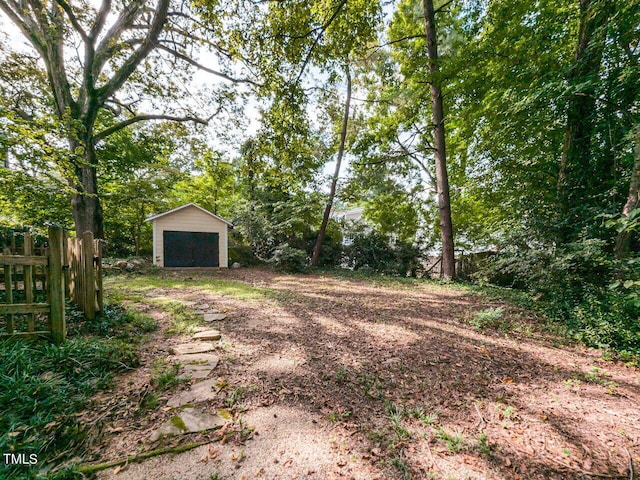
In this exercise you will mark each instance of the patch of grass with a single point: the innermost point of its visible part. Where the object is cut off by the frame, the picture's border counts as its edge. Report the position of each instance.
(149, 402)
(422, 414)
(572, 382)
(341, 375)
(234, 397)
(490, 318)
(396, 415)
(164, 375)
(339, 415)
(402, 466)
(400, 430)
(43, 386)
(483, 446)
(372, 386)
(454, 441)
(182, 320)
(143, 284)
(114, 322)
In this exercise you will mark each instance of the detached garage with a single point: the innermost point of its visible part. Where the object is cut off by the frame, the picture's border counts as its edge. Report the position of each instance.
(190, 236)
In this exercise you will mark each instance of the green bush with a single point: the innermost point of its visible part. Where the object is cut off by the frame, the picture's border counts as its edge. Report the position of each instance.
(576, 285)
(374, 252)
(489, 318)
(331, 251)
(240, 251)
(289, 259)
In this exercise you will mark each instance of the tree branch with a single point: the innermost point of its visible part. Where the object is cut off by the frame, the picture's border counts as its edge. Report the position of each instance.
(191, 61)
(28, 28)
(126, 18)
(73, 19)
(101, 18)
(397, 40)
(129, 66)
(317, 39)
(144, 117)
(442, 7)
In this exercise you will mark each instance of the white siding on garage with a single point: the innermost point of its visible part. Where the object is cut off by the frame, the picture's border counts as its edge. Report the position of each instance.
(189, 219)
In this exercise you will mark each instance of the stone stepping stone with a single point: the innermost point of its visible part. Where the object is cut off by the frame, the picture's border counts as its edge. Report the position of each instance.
(188, 421)
(195, 372)
(189, 348)
(200, 392)
(196, 366)
(207, 335)
(214, 317)
(196, 359)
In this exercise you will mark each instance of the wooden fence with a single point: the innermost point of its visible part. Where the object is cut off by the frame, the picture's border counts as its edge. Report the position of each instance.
(33, 286)
(33, 291)
(83, 273)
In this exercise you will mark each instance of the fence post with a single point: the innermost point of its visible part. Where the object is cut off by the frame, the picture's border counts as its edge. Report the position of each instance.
(27, 279)
(8, 285)
(89, 276)
(56, 286)
(98, 267)
(66, 261)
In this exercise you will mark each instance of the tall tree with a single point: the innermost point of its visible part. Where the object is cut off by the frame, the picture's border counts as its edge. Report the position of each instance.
(138, 170)
(98, 70)
(315, 257)
(312, 48)
(633, 201)
(577, 170)
(439, 142)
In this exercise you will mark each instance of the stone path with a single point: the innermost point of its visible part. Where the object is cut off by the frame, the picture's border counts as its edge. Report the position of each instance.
(197, 365)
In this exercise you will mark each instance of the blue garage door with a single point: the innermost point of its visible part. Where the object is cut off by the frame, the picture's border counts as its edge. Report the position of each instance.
(191, 249)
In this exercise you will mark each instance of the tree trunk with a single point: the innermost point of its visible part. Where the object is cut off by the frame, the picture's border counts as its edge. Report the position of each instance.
(315, 257)
(442, 179)
(577, 172)
(633, 201)
(87, 209)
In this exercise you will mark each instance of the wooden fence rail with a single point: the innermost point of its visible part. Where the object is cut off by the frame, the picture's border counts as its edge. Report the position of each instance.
(33, 287)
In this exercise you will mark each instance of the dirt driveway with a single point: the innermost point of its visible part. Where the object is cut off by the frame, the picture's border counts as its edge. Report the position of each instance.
(348, 378)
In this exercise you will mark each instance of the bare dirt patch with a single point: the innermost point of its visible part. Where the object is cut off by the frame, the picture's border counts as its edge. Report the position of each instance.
(345, 378)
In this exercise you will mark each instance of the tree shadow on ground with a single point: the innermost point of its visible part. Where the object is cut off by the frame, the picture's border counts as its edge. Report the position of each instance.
(352, 352)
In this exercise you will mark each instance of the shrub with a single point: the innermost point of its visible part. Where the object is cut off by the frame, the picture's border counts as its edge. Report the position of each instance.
(289, 259)
(374, 252)
(331, 251)
(489, 318)
(43, 386)
(240, 251)
(576, 285)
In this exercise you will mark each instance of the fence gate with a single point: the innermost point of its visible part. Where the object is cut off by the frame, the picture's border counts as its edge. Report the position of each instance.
(32, 290)
(33, 285)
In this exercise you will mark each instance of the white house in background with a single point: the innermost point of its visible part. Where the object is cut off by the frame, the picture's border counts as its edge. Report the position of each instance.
(190, 236)
(349, 214)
